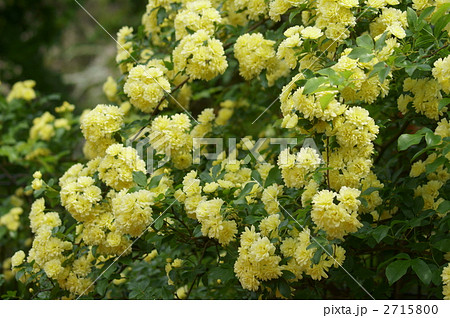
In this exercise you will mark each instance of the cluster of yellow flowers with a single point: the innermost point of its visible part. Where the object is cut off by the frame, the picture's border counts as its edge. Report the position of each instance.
(49, 253)
(269, 198)
(213, 224)
(22, 90)
(42, 127)
(254, 54)
(117, 167)
(200, 56)
(424, 101)
(198, 15)
(390, 20)
(207, 212)
(335, 16)
(146, 86)
(441, 73)
(295, 168)
(110, 89)
(296, 247)
(435, 180)
(252, 9)
(12, 219)
(124, 48)
(170, 136)
(290, 47)
(257, 260)
(336, 219)
(98, 126)
(110, 208)
(363, 86)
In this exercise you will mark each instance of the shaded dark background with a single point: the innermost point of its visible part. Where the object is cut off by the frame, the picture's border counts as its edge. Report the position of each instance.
(55, 43)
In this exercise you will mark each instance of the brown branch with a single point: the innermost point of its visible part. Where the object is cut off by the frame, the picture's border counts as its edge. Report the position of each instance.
(431, 54)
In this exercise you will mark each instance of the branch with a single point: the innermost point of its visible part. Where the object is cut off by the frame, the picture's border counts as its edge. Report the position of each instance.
(431, 54)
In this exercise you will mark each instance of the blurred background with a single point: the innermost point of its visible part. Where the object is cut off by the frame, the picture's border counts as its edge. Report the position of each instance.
(55, 43)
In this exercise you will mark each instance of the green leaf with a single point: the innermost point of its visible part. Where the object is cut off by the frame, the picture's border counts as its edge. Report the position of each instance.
(381, 42)
(380, 232)
(317, 256)
(441, 24)
(365, 41)
(369, 190)
(224, 273)
(430, 168)
(288, 275)
(140, 178)
(168, 65)
(245, 191)
(422, 270)
(327, 72)
(101, 286)
(206, 177)
(443, 102)
(425, 13)
(3, 231)
(274, 176)
(432, 139)
(161, 15)
(443, 208)
(411, 17)
(363, 54)
(256, 176)
(154, 182)
(440, 12)
(325, 100)
(293, 14)
(396, 270)
(407, 140)
(442, 245)
(313, 84)
(284, 288)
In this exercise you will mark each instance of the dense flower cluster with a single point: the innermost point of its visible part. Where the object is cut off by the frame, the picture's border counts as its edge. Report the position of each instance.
(257, 260)
(98, 126)
(336, 219)
(22, 90)
(254, 54)
(200, 56)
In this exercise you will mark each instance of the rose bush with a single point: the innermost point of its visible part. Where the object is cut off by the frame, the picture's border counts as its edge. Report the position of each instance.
(329, 120)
